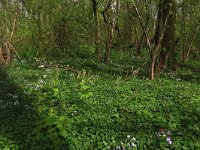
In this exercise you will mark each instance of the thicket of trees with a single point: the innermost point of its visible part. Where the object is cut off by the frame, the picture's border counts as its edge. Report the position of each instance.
(167, 29)
(78, 79)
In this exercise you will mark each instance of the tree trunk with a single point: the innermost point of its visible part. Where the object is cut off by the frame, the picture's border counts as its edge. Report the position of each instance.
(108, 45)
(111, 26)
(191, 43)
(97, 30)
(167, 11)
(184, 33)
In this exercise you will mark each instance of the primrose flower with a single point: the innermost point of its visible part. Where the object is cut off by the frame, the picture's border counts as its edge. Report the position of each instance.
(169, 140)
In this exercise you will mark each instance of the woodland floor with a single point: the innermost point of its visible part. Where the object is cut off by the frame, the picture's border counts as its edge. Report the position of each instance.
(44, 105)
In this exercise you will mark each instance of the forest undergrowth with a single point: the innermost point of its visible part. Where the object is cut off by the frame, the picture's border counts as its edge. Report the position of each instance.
(82, 104)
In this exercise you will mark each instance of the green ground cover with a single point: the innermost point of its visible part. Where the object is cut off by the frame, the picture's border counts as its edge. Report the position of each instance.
(98, 107)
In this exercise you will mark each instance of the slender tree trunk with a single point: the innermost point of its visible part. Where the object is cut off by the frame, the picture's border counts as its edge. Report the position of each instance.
(110, 22)
(184, 33)
(142, 38)
(108, 44)
(191, 43)
(155, 53)
(142, 25)
(8, 54)
(97, 30)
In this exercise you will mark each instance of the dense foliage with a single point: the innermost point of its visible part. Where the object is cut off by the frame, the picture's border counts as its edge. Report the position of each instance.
(74, 74)
(46, 106)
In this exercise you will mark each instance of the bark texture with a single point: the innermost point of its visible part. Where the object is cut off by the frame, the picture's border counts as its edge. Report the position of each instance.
(167, 13)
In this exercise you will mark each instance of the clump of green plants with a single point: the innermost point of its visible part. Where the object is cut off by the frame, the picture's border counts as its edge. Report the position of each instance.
(70, 109)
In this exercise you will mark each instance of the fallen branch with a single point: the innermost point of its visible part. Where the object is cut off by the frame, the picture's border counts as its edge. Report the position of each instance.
(66, 68)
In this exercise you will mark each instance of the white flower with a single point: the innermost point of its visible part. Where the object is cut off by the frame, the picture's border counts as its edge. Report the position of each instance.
(9, 94)
(128, 136)
(27, 107)
(118, 147)
(41, 81)
(133, 144)
(15, 96)
(133, 139)
(29, 84)
(41, 66)
(37, 87)
(16, 102)
(74, 113)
